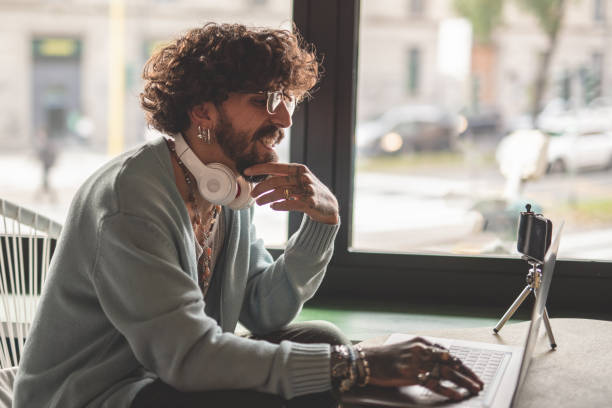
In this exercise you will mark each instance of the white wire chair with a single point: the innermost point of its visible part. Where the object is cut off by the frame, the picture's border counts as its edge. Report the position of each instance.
(26, 243)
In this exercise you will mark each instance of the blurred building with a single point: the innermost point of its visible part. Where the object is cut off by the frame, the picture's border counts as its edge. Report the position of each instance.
(68, 66)
(71, 68)
(399, 58)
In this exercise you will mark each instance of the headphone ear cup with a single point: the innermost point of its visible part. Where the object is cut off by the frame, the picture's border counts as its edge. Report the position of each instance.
(218, 185)
(244, 199)
(215, 181)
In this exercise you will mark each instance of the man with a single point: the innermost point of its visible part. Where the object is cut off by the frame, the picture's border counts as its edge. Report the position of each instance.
(156, 265)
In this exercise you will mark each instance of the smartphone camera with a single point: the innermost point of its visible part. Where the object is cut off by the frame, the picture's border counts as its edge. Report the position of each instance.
(534, 235)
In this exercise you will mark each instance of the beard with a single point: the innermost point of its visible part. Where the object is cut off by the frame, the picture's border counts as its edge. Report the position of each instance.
(241, 147)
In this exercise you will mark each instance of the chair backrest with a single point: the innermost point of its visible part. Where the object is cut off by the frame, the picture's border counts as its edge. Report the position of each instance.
(27, 240)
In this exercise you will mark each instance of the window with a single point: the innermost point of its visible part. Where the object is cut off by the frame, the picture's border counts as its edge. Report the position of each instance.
(69, 102)
(440, 170)
(411, 226)
(403, 212)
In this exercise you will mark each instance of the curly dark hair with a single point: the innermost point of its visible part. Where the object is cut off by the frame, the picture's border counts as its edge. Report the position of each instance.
(208, 63)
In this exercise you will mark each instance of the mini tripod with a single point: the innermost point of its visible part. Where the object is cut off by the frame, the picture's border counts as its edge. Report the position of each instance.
(534, 277)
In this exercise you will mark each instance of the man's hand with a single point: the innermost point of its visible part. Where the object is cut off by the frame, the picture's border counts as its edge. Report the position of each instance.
(417, 361)
(293, 187)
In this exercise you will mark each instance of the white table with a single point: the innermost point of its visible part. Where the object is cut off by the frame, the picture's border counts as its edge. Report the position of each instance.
(577, 374)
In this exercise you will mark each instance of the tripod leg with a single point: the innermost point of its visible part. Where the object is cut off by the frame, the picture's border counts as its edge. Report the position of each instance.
(551, 338)
(512, 308)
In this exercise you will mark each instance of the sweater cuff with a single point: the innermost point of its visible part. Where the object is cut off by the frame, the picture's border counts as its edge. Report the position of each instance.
(309, 368)
(315, 237)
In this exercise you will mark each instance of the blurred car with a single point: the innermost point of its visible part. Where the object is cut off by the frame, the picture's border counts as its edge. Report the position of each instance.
(580, 149)
(486, 123)
(558, 116)
(409, 128)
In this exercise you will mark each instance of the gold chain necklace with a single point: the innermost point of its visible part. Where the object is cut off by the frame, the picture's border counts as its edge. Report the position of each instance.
(201, 230)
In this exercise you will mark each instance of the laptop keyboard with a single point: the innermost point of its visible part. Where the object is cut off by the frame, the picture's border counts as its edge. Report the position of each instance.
(485, 363)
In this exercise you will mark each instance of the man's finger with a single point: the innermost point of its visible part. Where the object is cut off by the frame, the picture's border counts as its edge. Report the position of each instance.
(273, 183)
(467, 371)
(418, 339)
(289, 205)
(274, 168)
(435, 385)
(456, 364)
(459, 379)
(275, 195)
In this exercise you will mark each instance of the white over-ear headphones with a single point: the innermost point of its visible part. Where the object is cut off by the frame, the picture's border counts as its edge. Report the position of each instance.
(216, 182)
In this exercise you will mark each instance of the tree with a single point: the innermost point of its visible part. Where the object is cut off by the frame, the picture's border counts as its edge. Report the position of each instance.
(485, 15)
(549, 14)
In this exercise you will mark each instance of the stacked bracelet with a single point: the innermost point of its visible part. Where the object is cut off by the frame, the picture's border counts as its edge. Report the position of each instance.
(343, 367)
(363, 368)
(349, 366)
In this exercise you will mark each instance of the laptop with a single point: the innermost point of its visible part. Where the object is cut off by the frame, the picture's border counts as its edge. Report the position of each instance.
(502, 368)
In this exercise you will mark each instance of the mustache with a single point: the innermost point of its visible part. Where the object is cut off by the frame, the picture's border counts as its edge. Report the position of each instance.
(278, 133)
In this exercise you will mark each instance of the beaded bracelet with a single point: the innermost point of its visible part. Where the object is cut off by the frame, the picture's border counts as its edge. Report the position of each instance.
(343, 367)
(363, 367)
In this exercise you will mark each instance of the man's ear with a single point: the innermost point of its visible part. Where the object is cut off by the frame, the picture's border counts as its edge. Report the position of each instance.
(203, 114)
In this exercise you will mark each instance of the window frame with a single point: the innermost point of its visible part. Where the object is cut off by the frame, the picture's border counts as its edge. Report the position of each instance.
(323, 139)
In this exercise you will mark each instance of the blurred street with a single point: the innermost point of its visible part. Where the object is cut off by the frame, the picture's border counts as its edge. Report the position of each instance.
(21, 183)
(435, 213)
(431, 212)
(21, 180)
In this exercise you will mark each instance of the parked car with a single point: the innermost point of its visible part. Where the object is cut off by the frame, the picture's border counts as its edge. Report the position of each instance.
(484, 124)
(407, 129)
(580, 149)
(559, 116)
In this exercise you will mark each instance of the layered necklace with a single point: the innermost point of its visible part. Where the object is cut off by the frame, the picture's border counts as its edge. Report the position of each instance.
(202, 229)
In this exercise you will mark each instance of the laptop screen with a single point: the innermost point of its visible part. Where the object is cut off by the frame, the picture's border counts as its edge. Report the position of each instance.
(538, 308)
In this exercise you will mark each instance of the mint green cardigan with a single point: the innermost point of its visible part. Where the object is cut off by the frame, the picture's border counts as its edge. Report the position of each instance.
(121, 305)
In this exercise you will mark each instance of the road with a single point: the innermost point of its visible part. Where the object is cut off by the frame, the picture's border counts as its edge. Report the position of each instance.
(437, 213)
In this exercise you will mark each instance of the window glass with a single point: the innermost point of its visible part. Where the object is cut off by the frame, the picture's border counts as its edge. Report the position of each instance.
(469, 113)
(70, 80)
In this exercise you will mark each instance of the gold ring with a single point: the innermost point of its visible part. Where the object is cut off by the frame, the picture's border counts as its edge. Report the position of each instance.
(445, 356)
(287, 194)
